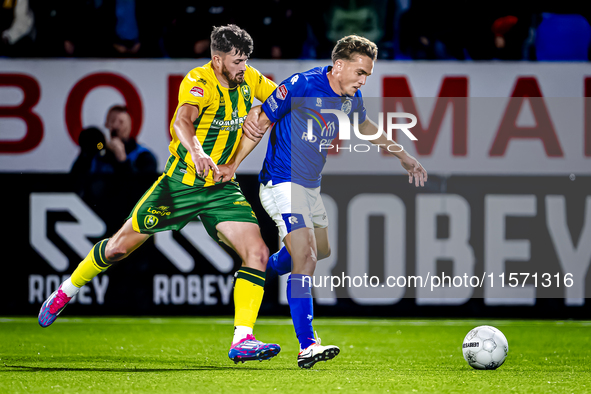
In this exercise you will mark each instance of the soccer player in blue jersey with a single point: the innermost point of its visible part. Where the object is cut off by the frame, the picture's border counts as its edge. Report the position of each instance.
(291, 173)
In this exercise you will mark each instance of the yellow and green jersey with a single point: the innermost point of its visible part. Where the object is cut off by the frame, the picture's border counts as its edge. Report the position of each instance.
(218, 127)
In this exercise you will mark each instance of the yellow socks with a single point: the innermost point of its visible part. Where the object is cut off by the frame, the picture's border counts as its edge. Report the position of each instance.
(92, 265)
(248, 296)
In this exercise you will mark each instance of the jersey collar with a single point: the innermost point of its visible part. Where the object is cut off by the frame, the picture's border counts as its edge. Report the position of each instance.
(325, 71)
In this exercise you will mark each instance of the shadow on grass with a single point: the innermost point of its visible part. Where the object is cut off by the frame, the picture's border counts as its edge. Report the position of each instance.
(22, 368)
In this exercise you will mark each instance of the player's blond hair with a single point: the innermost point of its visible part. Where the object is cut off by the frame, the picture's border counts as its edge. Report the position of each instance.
(346, 47)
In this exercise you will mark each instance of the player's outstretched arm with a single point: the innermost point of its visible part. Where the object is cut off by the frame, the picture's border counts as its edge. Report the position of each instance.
(258, 122)
(185, 131)
(409, 163)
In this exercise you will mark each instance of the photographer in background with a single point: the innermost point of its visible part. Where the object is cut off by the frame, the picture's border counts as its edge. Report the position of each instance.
(124, 147)
(100, 174)
(89, 185)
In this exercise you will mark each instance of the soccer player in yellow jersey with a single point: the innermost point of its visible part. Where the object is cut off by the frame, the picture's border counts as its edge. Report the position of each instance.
(206, 130)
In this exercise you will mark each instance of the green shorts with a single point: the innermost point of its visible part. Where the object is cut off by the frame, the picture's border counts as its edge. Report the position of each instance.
(170, 205)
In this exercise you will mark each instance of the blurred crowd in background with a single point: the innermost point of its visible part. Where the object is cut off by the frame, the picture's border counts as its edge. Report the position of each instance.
(305, 29)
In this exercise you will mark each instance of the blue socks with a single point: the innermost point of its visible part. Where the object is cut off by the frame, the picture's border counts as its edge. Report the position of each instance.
(301, 306)
(280, 262)
(298, 296)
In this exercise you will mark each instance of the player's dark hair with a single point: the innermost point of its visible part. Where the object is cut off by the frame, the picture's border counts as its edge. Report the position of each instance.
(231, 38)
(346, 47)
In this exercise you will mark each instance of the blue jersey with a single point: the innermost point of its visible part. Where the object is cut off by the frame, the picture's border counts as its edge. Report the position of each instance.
(294, 154)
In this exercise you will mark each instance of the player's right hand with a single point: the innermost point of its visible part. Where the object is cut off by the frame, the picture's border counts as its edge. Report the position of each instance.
(203, 164)
(224, 173)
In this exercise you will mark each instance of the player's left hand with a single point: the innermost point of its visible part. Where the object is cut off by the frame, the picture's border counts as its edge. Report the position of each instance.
(415, 170)
(224, 173)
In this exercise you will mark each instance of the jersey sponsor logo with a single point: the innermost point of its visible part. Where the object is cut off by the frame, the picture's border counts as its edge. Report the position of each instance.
(245, 92)
(309, 137)
(346, 107)
(243, 203)
(328, 130)
(184, 171)
(235, 121)
(281, 92)
(318, 102)
(229, 125)
(197, 91)
(294, 79)
(272, 103)
(222, 101)
(159, 211)
(150, 221)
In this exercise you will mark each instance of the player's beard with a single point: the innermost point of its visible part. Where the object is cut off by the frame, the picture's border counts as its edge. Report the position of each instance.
(232, 81)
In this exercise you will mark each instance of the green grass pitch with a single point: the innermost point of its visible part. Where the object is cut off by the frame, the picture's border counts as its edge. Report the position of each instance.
(175, 355)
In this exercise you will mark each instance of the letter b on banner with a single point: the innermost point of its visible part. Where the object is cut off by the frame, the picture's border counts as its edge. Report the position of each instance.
(24, 111)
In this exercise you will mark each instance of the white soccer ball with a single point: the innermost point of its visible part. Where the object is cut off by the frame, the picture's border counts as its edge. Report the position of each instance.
(485, 347)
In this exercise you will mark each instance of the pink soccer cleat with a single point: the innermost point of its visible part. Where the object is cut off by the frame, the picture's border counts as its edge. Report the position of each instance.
(52, 307)
(251, 349)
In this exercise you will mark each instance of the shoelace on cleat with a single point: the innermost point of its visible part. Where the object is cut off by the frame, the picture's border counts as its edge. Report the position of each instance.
(251, 338)
(60, 300)
(316, 340)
